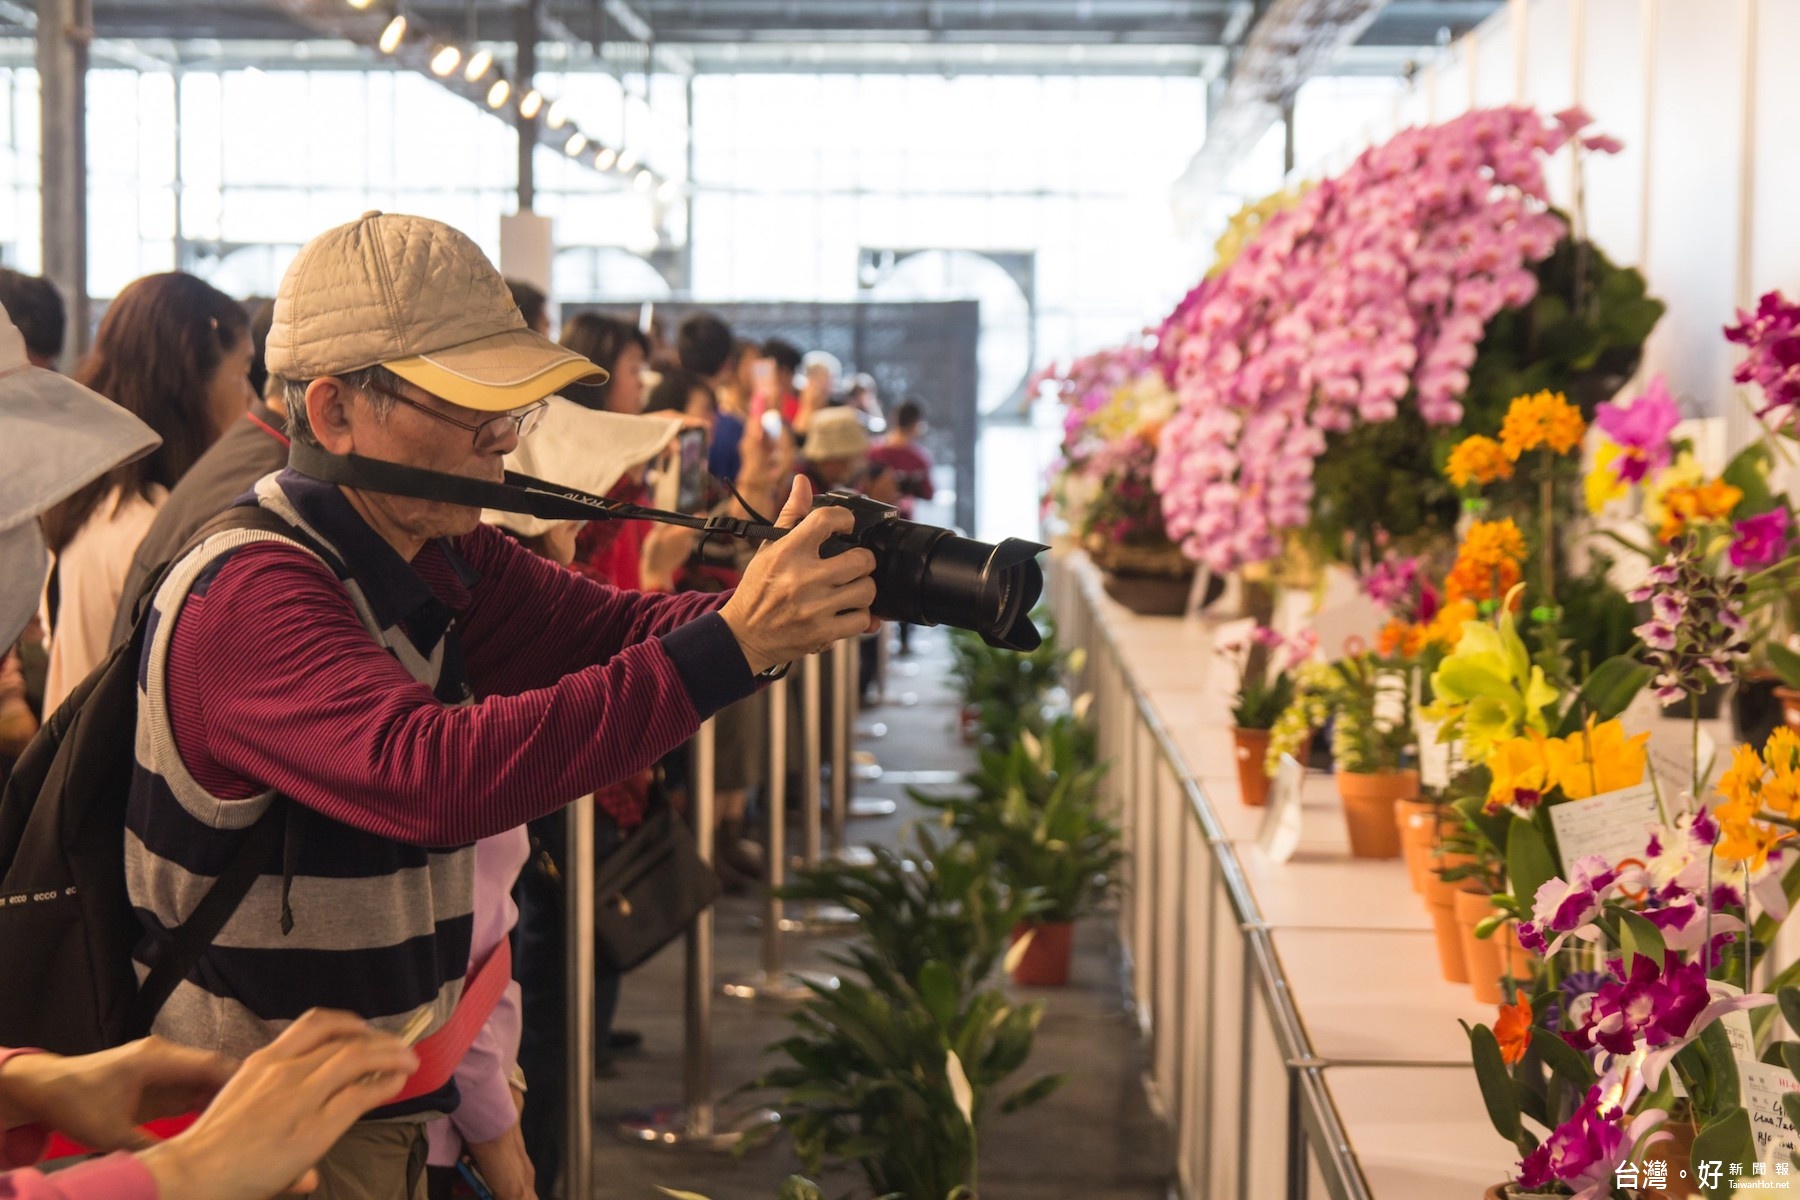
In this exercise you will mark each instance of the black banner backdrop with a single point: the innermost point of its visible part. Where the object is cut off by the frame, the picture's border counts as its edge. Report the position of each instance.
(924, 351)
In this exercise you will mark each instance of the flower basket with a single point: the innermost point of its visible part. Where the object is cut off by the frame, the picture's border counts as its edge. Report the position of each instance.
(1253, 777)
(1150, 580)
(1369, 809)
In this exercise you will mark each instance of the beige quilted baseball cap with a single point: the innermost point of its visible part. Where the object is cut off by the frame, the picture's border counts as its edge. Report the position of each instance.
(419, 298)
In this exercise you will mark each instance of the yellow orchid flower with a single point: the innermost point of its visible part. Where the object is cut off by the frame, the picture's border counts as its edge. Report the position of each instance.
(1602, 485)
(1598, 759)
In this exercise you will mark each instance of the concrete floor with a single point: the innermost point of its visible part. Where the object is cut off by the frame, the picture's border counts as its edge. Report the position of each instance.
(1095, 1139)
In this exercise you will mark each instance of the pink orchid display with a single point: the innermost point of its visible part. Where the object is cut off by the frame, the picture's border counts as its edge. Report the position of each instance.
(1585, 1152)
(1650, 1006)
(1375, 288)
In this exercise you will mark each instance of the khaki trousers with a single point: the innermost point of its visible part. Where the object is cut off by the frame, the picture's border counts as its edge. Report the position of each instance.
(376, 1160)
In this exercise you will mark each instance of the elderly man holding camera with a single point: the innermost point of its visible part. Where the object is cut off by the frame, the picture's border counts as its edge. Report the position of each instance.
(392, 681)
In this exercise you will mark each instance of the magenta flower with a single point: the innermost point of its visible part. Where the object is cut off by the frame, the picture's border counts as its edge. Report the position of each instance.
(1585, 1152)
(1641, 429)
(1568, 907)
(1650, 1007)
(1761, 540)
(1772, 334)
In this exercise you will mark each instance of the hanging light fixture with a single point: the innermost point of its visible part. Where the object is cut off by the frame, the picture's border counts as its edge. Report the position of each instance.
(576, 144)
(498, 93)
(558, 116)
(604, 158)
(530, 103)
(445, 61)
(359, 4)
(393, 35)
(627, 160)
(668, 192)
(479, 62)
(644, 180)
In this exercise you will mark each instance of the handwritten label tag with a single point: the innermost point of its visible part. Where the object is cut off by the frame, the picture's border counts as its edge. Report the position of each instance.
(1279, 836)
(1764, 1086)
(1610, 825)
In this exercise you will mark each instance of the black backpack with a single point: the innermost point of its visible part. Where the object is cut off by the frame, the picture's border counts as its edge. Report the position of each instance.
(67, 928)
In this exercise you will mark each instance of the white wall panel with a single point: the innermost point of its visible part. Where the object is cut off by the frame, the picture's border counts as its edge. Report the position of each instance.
(1496, 67)
(1696, 122)
(1775, 240)
(1614, 87)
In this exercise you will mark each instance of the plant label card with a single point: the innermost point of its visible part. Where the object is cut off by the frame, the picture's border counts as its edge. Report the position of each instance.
(1736, 1024)
(1439, 762)
(1279, 836)
(1610, 825)
(1764, 1086)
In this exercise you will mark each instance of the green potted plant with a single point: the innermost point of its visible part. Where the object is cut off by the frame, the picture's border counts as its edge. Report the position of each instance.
(1368, 702)
(1265, 663)
(897, 1073)
(1035, 809)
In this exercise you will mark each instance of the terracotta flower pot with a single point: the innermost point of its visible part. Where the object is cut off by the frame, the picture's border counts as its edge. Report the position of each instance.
(1253, 778)
(1523, 962)
(1790, 706)
(1440, 899)
(1369, 809)
(1045, 962)
(1417, 821)
(1481, 955)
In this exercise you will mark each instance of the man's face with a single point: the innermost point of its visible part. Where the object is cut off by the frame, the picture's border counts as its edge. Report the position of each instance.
(420, 430)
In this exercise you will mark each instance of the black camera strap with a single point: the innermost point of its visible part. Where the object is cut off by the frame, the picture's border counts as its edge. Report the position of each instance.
(518, 494)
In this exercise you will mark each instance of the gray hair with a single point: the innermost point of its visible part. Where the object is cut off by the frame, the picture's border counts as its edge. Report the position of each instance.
(374, 382)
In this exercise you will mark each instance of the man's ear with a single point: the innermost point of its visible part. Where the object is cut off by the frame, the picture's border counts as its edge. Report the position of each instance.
(328, 404)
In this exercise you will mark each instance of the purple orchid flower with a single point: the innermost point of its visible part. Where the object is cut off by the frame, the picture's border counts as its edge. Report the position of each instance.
(1650, 1006)
(1584, 1152)
(1760, 540)
(1565, 907)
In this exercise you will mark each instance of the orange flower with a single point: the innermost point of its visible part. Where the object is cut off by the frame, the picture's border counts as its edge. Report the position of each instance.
(1689, 505)
(1546, 419)
(1398, 639)
(1513, 1030)
(1487, 562)
(1478, 460)
(1446, 629)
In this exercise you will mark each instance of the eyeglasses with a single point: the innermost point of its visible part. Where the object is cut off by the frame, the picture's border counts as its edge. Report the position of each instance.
(488, 433)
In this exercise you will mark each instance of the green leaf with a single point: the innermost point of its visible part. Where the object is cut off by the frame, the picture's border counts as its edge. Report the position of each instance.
(1726, 1139)
(1037, 1090)
(1786, 663)
(938, 989)
(1529, 863)
(1748, 471)
(1790, 1104)
(1608, 691)
(1638, 936)
(1496, 1084)
(1564, 1060)
(1717, 1046)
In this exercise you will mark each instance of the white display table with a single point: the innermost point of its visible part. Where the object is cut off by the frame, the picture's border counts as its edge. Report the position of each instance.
(1302, 1042)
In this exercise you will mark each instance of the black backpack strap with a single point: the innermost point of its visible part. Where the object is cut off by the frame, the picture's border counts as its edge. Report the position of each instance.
(190, 940)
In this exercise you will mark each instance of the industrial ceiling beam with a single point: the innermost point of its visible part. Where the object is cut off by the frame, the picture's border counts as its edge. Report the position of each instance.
(1291, 41)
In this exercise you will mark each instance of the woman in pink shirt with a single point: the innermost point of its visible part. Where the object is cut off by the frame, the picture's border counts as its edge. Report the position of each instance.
(267, 1124)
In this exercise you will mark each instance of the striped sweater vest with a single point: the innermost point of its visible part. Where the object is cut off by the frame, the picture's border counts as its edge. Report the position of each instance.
(379, 928)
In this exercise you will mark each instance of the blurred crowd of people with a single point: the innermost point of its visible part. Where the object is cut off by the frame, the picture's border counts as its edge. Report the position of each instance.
(194, 366)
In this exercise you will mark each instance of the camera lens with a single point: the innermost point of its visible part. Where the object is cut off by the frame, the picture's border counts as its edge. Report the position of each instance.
(930, 576)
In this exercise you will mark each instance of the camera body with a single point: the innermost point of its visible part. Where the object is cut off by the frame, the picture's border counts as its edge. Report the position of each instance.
(925, 575)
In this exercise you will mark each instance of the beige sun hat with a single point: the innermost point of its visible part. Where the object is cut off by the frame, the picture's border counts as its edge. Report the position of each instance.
(584, 449)
(835, 433)
(419, 298)
(66, 437)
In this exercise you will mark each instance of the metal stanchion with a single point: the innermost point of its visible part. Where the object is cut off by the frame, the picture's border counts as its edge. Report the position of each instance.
(773, 981)
(815, 918)
(857, 769)
(843, 686)
(694, 1122)
(578, 997)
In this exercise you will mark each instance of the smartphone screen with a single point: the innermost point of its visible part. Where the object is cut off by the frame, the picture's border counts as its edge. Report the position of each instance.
(692, 494)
